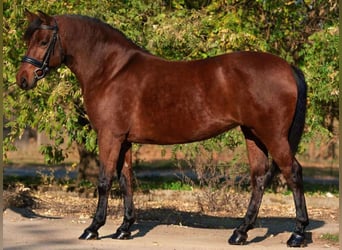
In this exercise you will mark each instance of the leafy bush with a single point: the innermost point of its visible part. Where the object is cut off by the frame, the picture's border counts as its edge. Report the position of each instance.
(303, 32)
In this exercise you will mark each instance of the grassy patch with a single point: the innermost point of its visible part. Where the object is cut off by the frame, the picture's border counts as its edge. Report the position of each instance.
(333, 238)
(167, 182)
(164, 183)
(28, 181)
(177, 185)
(312, 189)
(321, 189)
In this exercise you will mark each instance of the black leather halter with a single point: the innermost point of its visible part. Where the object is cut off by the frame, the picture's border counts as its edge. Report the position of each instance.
(43, 67)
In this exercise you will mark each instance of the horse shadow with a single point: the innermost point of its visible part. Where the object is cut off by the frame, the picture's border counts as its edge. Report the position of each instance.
(28, 213)
(148, 219)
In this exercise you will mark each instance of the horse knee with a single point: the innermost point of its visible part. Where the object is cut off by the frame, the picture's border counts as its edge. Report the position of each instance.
(263, 180)
(104, 185)
(259, 183)
(293, 175)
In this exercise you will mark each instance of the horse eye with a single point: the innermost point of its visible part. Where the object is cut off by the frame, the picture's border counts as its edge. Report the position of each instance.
(43, 43)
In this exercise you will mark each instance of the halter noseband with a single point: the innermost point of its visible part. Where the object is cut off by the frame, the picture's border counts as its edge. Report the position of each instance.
(43, 67)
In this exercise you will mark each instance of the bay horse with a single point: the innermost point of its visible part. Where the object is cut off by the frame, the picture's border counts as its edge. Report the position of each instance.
(132, 96)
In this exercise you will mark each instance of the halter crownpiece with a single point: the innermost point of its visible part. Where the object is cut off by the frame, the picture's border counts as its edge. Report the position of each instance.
(43, 67)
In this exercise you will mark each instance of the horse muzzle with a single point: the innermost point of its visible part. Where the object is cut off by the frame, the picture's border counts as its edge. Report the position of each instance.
(25, 84)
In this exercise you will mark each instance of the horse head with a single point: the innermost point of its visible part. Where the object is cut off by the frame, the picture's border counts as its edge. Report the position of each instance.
(43, 52)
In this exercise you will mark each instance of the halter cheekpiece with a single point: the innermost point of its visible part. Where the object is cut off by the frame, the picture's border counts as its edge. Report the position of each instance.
(43, 66)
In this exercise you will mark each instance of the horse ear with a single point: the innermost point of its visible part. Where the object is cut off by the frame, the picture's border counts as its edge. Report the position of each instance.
(44, 17)
(30, 16)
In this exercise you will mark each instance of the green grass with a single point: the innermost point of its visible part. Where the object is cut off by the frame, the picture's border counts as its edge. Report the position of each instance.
(313, 189)
(334, 238)
(164, 183)
(177, 185)
(321, 189)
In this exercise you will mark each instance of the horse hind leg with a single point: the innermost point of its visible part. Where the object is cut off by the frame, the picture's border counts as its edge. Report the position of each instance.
(125, 175)
(292, 172)
(295, 182)
(261, 176)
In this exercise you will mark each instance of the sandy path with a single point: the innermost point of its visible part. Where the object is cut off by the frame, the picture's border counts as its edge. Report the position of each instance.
(61, 233)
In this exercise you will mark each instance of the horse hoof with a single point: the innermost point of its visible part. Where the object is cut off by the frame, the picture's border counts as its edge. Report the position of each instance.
(238, 238)
(296, 240)
(122, 235)
(89, 235)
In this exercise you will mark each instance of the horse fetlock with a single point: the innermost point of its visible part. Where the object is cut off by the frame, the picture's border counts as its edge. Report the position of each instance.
(122, 234)
(129, 219)
(89, 235)
(238, 238)
(296, 240)
(126, 224)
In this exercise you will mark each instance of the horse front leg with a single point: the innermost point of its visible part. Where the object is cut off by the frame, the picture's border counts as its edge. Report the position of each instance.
(109, 154)
(125, 175)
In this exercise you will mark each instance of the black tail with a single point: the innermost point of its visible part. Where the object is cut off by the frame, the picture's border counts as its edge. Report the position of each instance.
(298, 122)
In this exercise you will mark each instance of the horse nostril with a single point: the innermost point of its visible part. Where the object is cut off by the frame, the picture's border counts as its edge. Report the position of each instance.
(23, 83)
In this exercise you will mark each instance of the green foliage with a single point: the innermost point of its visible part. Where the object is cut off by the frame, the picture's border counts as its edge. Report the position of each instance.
(322, 74)
(302, 32)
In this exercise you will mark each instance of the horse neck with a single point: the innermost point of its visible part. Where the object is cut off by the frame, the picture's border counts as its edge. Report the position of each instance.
(92, 48)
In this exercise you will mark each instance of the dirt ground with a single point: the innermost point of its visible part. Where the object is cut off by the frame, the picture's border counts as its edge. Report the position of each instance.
(50, 218)
(166, 220)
